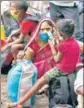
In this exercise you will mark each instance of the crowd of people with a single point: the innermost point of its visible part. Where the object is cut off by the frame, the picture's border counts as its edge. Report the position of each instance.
(53, 43)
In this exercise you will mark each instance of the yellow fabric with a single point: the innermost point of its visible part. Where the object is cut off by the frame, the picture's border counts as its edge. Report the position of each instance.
(2, 32)
(13, 14)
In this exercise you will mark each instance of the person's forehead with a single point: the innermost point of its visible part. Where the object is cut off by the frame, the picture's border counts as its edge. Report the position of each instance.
(13, 5)
(45, 25)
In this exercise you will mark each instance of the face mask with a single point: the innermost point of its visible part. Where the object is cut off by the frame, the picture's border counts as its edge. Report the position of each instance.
(44, 37)
(50, 35)
(14, 15)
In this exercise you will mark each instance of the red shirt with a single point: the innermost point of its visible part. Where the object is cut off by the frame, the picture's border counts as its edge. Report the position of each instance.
(71, 54)
(27, 26)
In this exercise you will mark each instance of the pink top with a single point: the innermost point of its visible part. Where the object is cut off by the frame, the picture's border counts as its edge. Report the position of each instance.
(71, 54)
(43, 60)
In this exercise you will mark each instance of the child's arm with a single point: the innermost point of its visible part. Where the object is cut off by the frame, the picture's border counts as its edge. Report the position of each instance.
(81, 45)
(57, 55)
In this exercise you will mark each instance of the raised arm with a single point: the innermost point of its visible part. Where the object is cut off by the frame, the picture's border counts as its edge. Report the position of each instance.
(57, 55)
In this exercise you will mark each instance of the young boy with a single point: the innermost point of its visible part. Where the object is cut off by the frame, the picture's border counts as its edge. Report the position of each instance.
(66, 58)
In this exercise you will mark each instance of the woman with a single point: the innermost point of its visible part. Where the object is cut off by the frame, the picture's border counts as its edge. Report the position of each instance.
(39, 48)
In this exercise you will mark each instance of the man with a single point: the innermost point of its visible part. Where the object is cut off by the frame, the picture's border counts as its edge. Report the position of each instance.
(68, 10)
(81, 14)
(27, 27)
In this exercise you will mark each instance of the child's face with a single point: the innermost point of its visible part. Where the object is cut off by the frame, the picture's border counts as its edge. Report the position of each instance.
(20, 55)
(28, 54)
(62, 35)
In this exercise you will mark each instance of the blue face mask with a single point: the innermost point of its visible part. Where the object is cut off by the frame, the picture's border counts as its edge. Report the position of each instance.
(44, 37)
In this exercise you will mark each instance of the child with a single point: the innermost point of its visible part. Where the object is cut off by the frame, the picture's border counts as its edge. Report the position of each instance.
(66, 58)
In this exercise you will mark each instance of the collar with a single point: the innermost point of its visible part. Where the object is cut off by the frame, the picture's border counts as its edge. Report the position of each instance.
(69, 39)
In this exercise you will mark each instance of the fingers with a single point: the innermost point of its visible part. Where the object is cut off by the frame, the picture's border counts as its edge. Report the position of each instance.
(13, 105)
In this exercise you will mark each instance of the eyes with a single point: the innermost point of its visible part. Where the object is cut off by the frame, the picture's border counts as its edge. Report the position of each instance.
(45, 29)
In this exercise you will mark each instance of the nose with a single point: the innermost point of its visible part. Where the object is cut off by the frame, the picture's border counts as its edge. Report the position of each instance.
(44, 31)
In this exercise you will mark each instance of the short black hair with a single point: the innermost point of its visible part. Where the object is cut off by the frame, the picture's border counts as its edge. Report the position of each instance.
(66, 26)
(22, 4)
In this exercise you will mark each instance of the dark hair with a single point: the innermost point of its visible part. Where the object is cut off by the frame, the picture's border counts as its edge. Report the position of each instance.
(66, 26)
(23, 5)
(49, 22)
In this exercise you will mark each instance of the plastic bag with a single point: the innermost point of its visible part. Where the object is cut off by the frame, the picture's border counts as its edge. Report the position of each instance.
(27, 80)
(21, 78)
(13, 82)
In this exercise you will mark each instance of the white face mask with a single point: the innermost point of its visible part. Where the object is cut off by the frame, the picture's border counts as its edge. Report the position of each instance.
(50, 34)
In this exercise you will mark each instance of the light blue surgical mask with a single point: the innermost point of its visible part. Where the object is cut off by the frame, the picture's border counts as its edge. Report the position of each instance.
(50, 35)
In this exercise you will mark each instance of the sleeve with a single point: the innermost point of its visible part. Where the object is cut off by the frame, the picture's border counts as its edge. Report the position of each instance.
(61, 48)
(79, 80)
(27, 27)
(34, 46)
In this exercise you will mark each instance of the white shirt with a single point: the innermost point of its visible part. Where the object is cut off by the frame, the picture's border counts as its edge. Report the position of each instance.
(79, 79)
(5, 6)
(78, 83)
(38, 6)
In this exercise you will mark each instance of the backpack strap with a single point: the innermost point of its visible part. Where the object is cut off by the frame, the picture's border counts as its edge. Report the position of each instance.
(64, 88)
(71, 79)
(32, 18)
